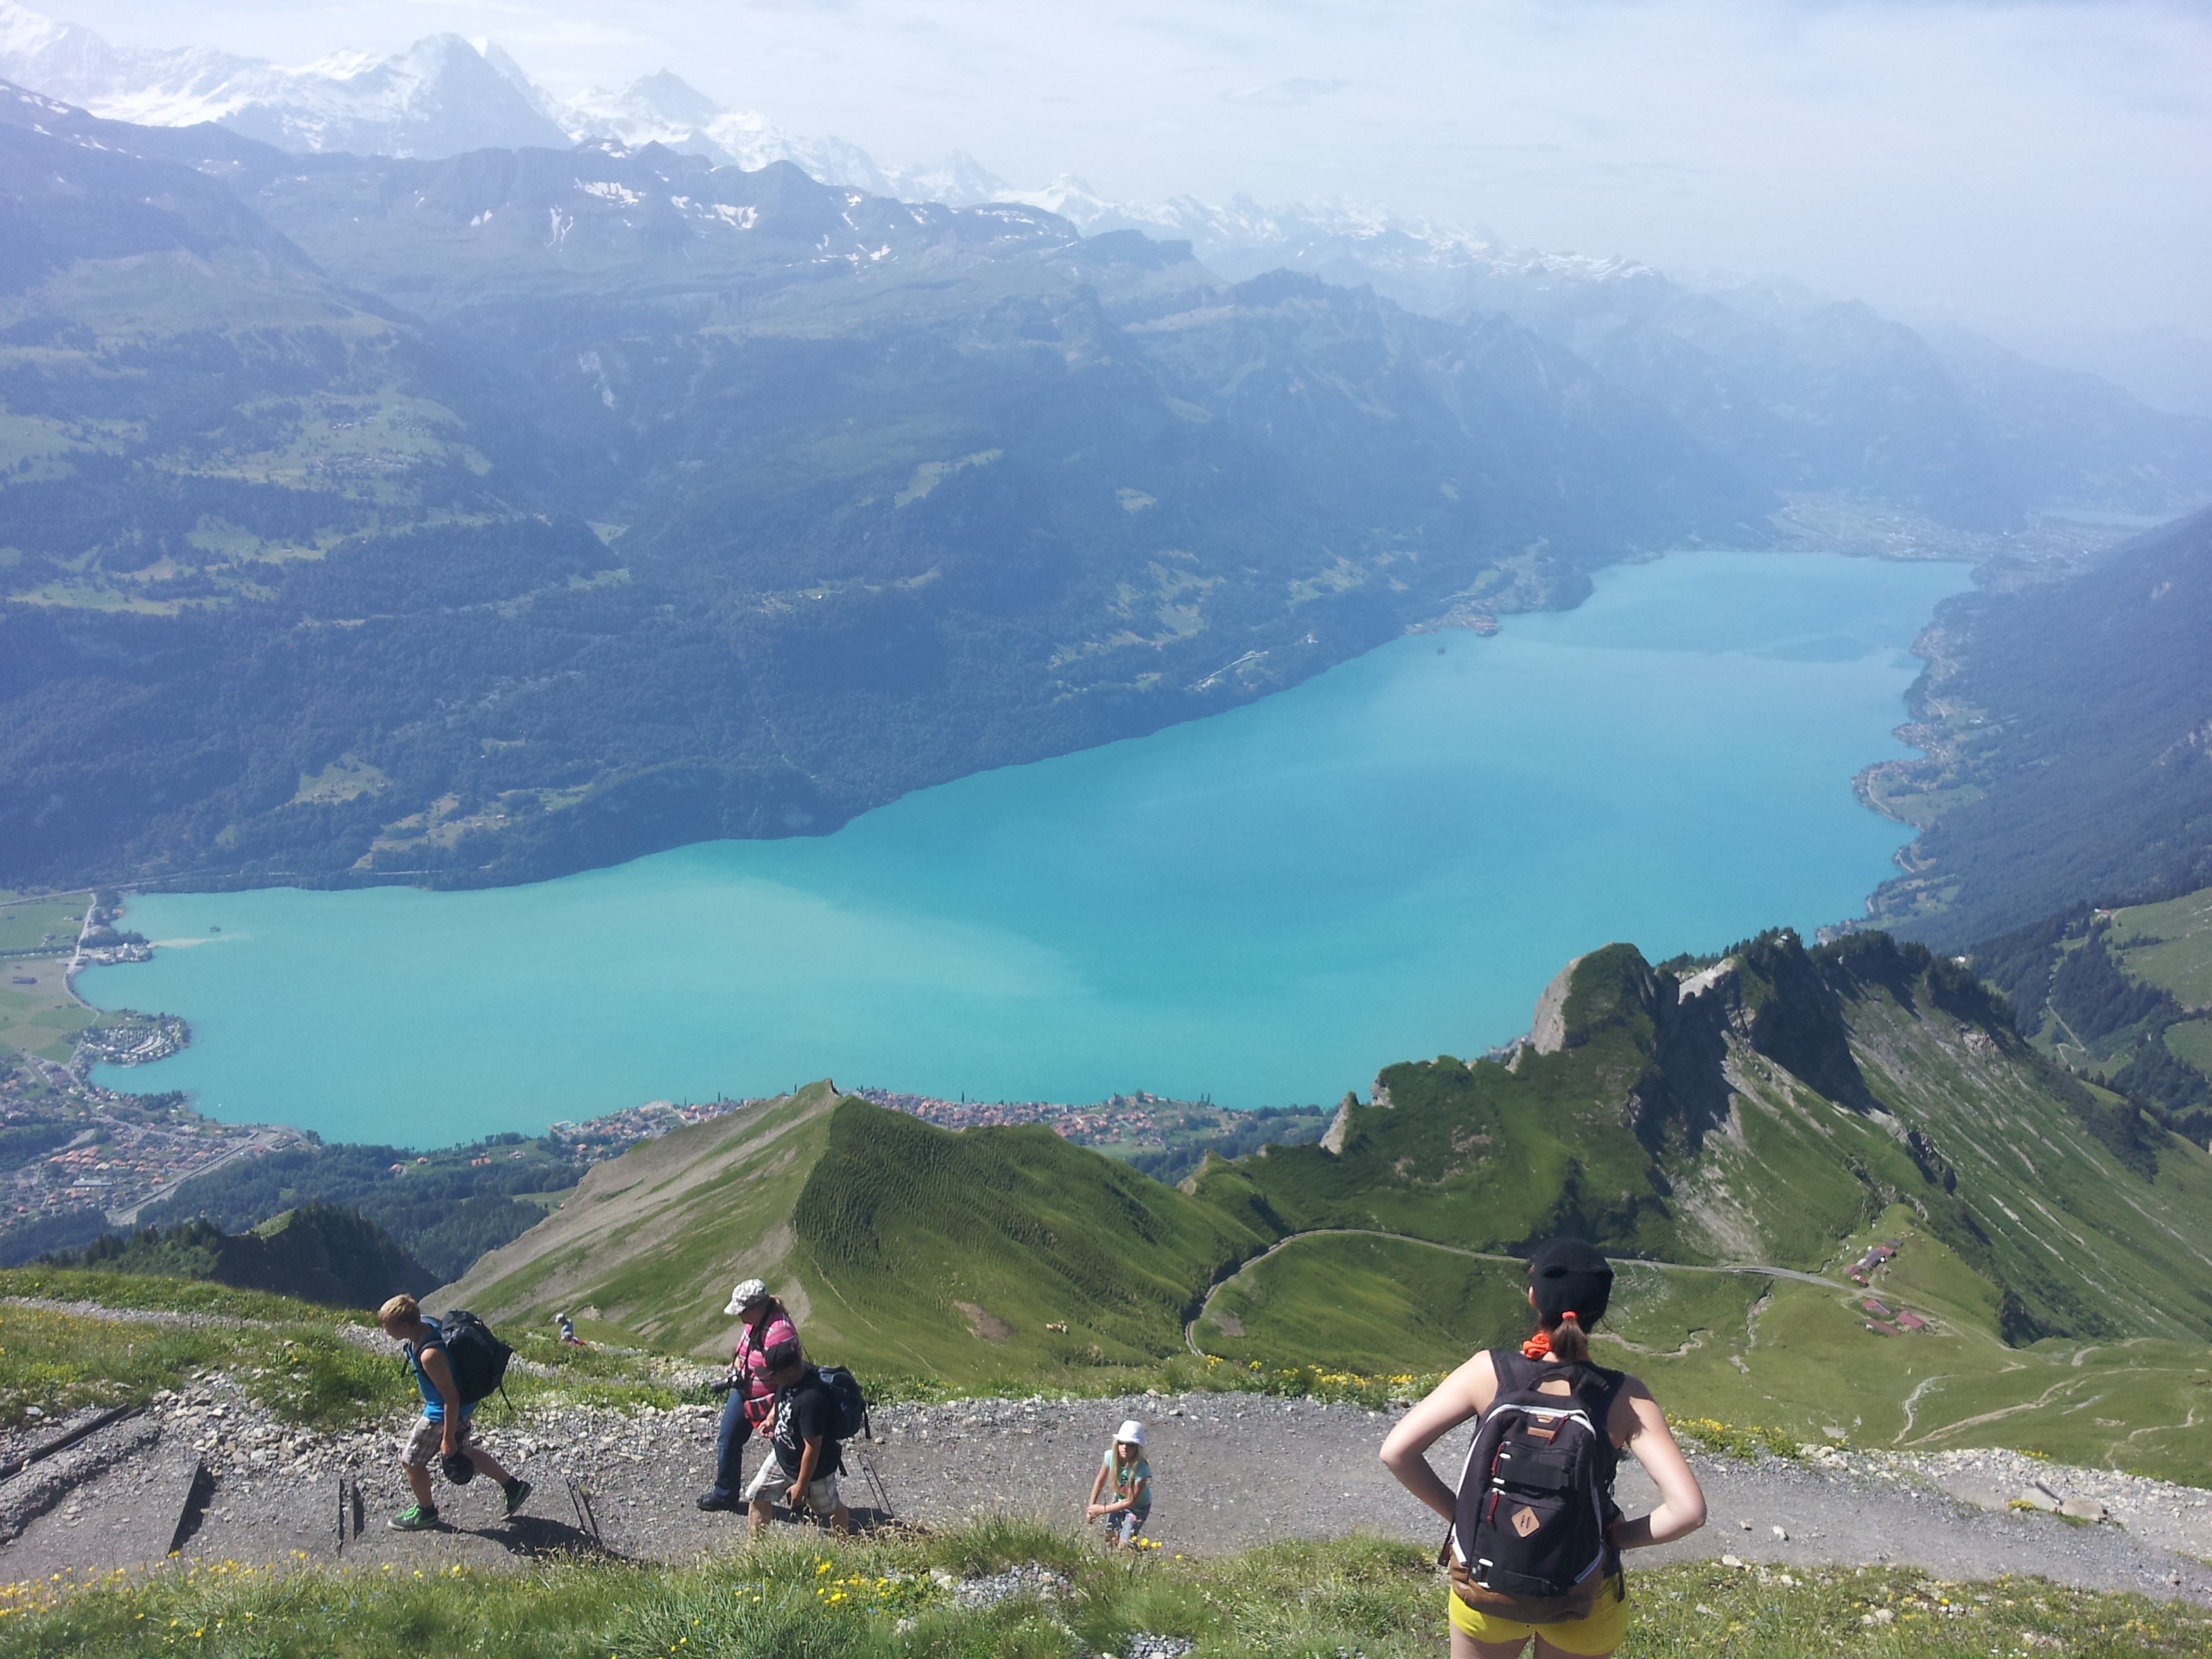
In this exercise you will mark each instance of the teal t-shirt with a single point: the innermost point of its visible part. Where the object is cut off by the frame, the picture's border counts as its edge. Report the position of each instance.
(1130, 1480)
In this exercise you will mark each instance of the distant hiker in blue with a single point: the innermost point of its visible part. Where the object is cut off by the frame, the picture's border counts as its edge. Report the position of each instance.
(748, 1397)
(445, 1431)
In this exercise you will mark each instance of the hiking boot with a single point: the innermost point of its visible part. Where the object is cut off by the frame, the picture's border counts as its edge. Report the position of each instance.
(416, 1517)
(517, 1493)
(717, 1500)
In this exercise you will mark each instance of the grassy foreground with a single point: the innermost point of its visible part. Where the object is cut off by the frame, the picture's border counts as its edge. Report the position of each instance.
(878, 1601)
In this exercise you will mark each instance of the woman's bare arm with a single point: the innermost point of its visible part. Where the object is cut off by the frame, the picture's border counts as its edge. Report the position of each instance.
(1681, 1509)
(1466, 1393)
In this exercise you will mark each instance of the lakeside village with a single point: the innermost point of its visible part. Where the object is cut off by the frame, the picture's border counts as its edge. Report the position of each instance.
(76, 1158)
(72, 1154)
(1137, 1122)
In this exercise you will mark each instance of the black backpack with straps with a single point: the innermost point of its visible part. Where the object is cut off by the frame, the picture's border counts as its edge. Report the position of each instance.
(1531, 1538)
(478, 1358)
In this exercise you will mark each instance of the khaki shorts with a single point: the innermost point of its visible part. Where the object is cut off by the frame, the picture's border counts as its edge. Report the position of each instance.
(771, 1482)
(421, 1445)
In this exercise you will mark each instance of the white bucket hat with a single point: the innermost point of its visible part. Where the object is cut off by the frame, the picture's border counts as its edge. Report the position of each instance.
(1131, 1432)
(749, 1291)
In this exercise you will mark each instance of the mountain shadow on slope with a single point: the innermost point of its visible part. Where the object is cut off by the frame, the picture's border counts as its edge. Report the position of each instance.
(318, 1253)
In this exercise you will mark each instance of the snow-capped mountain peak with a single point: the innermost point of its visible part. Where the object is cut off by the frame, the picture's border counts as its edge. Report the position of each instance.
(445, 95)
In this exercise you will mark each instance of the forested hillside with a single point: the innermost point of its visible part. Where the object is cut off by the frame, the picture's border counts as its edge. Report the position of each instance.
(670, 502)
(2073, 758)
(318, 1252)
(446, 1208)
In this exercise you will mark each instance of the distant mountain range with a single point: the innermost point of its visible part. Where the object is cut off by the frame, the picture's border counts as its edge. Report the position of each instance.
(1756, 340)
(443, 96)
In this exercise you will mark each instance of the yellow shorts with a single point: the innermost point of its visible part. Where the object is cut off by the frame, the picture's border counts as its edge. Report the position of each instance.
(1600, 1632)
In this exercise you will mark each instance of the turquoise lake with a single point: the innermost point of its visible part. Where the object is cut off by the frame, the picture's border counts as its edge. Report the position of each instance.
(1385, 863)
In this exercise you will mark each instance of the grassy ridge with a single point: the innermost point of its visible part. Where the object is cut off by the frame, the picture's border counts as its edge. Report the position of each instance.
(804, 1599)
(937, 1241)
(903, 1248)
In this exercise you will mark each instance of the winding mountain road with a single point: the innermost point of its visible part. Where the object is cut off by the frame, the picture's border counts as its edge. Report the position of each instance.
(1190, 1330)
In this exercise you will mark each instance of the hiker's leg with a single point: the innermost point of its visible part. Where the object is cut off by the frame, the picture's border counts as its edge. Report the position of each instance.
(730, 1445)
(761, 1494)
(1546, 1651)
(841, 1519)
(417, 1448)
(479, 1454)
(1476, 1635)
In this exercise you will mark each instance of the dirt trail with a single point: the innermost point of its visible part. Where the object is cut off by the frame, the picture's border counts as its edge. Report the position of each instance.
(1190, 1330)
(213, 1474)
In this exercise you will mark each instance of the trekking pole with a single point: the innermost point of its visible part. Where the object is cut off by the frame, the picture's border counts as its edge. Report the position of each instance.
(580, 1498)
(875, 1486)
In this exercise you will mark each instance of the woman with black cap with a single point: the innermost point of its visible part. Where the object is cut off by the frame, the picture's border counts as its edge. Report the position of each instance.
(1569, 1283)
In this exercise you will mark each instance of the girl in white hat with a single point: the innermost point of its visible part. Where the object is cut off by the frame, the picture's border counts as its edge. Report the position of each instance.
(1125, 1470)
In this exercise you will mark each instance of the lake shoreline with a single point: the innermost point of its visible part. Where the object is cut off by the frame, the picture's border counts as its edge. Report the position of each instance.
(1671, 760)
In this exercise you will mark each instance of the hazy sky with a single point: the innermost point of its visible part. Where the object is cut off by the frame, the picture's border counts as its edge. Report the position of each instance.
(2048, 164)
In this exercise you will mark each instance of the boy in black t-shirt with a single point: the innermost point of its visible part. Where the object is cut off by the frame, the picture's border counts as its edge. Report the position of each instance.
(807, 1461)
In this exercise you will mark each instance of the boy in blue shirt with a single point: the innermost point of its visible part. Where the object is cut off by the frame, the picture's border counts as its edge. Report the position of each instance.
(445, 1429)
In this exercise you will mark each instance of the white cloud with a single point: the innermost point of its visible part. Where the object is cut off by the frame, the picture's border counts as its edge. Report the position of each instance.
(1299, 89)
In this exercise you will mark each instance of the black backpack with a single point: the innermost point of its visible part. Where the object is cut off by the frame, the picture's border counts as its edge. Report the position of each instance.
(1531, 1538)
(478, 1358)
(852, 1407)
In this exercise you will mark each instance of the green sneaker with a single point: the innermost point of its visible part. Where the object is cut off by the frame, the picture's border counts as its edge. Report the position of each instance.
(517, 1493)
(416, 1517)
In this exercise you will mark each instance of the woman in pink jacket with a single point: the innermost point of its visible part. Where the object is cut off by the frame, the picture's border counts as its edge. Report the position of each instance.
(749, 1401)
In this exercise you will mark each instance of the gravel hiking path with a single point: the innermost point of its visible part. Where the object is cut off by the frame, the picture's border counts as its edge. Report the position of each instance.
(210, 1472)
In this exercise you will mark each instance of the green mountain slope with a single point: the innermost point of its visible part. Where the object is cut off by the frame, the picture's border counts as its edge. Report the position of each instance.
(1759, 1109)
(902, 1248)
(2124, 995)
(1777, 1108)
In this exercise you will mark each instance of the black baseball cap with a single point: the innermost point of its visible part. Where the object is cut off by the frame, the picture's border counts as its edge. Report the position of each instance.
(1570, 1275)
